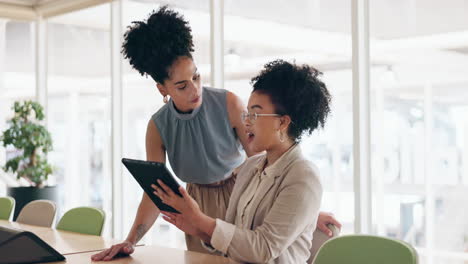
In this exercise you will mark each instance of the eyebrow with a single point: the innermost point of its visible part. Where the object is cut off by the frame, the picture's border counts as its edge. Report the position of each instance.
(179, 82)
(256, 106)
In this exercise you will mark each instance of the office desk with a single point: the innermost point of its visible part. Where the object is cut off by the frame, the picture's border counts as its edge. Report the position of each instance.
(63, 241)
(152, 254)
(78, 248)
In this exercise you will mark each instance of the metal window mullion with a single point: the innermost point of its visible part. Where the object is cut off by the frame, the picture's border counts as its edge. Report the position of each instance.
(378, 170)
(40, 62)
(217, 43)
(361, 116)
(428, 179)
(3, 114)
(116, 118)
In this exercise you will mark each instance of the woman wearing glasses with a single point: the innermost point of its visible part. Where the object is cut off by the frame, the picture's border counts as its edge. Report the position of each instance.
(277, 192)
(199, 128)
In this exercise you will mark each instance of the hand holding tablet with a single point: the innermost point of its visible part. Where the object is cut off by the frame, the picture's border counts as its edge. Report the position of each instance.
(147, 173)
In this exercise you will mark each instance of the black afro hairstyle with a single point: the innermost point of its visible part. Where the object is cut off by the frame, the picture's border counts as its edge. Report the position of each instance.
(152, 46)
(296, 91)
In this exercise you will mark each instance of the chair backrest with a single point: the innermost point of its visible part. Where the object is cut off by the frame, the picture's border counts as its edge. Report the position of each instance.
(7, 204)
(38, 212)
(85, 220)
(364, 249)
(320, 238)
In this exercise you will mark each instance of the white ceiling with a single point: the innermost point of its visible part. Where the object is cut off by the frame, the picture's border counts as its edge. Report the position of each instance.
(389, 19)
(32, 9)
(423, 40)
(27, 2)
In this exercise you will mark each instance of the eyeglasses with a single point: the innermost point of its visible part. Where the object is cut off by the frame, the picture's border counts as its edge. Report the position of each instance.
(253, 116)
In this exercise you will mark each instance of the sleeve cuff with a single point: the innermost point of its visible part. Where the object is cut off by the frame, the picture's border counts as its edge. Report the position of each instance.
(208, 247)
(222, 235)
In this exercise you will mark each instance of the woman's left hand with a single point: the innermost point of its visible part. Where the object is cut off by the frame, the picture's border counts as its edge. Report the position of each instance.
(325, 219)
(180, 222)
(186, 205)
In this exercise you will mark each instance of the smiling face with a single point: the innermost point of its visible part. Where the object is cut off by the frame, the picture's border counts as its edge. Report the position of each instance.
(183, 85)
(263, 133)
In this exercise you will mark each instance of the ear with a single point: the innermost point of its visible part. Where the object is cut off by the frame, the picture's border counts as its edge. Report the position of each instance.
(162, 89)
(285, 121)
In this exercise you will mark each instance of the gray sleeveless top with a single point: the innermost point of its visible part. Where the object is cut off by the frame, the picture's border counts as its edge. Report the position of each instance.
(201, 146)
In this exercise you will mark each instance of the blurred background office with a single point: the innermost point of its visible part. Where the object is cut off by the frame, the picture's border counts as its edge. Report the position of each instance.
(413, 112)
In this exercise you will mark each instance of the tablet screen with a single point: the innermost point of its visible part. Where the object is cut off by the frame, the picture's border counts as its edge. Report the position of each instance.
(147, 173)
(18, 246)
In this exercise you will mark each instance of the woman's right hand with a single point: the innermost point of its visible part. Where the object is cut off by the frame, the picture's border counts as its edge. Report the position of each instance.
(181, 223)
(124, 248)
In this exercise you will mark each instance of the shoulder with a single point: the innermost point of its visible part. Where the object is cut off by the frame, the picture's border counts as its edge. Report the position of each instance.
(230, 99)
(304, 172)
(164, 110)
(215, 98)
(214, 92)
(235, 107)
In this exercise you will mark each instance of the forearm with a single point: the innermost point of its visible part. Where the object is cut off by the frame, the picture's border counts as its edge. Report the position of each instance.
(144, 220)
(206, 225)
(204, 237)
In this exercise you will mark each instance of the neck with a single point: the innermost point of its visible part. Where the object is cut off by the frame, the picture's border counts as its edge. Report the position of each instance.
(180, 111)
(277, 151)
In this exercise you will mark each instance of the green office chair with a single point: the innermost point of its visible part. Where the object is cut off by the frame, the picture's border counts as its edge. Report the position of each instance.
(319, 239)
(7, 205)
(364, 249)
(85, 220)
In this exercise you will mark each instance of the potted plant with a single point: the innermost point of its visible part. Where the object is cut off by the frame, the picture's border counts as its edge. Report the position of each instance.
(31, 142)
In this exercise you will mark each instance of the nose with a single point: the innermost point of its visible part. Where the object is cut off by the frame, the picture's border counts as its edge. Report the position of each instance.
(195, 88)
(247, 121)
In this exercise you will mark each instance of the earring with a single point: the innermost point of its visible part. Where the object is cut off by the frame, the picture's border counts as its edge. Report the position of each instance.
(165, 100)
(281, 138)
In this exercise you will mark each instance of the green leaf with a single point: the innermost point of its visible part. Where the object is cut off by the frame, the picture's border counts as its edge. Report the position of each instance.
(26, 133)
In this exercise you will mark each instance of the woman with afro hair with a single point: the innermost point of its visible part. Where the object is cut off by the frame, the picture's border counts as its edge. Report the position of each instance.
(278, 192)
(199, 128)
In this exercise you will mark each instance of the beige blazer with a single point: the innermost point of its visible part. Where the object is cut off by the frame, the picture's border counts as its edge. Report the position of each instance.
(282, 218)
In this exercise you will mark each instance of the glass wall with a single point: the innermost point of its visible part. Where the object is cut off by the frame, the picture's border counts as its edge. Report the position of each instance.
(304, 33)
(79, 108)
(17, 80)
(419, 125)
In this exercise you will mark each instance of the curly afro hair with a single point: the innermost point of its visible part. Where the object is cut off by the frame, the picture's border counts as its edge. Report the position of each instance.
(296, 91)
(154, 45)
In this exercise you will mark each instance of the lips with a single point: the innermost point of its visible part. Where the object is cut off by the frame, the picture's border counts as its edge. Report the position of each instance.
(196, 100)
(250, 136)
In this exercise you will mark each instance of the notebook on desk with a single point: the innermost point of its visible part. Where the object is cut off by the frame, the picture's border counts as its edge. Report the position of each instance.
(18, 246)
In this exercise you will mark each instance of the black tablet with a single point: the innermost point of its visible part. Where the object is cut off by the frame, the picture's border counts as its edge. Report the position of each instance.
(147, 173)
(18, 246)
